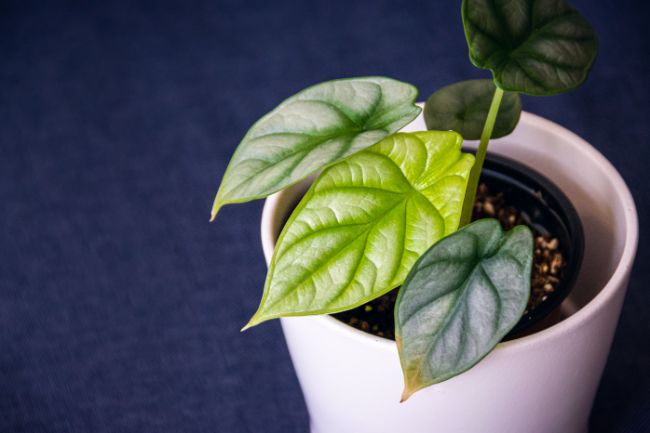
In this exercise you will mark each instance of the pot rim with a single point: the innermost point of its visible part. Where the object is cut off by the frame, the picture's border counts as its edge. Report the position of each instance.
(616, 280)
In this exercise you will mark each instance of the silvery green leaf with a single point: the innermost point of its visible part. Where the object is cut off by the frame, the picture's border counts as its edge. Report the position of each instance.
(460, 299)
(313, 129)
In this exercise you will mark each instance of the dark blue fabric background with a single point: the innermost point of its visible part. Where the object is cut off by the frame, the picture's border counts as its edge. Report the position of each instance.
(120, 306)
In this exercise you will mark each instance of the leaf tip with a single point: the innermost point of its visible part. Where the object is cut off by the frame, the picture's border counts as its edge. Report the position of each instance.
(216, 206)
(254, 321)
(247, 326)
(412, 383)
(406, 394)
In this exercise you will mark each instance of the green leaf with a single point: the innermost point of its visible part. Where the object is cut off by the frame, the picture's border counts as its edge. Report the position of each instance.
(313, 129)
(460, 299)
(463, 107)
(538, 47)
(364, 222)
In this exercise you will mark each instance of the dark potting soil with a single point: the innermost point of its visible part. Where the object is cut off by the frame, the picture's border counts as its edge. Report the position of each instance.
(376, 317)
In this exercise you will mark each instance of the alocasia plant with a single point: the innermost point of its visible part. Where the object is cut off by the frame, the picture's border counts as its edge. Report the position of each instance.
(386, 209)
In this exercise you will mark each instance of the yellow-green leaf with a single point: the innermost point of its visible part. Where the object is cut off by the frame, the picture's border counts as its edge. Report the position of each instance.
(364, 222)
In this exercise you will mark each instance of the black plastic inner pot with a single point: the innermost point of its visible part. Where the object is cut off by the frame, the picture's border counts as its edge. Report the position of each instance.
(549, 212)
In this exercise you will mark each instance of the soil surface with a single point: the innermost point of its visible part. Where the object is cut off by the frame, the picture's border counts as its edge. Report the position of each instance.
(376, 317)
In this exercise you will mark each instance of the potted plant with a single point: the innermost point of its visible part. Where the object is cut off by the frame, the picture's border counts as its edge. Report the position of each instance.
(392, 210)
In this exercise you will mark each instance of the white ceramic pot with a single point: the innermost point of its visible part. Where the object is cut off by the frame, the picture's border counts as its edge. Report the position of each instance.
(542, 383)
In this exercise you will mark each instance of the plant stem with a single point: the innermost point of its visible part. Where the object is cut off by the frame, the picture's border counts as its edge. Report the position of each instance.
(475, 173)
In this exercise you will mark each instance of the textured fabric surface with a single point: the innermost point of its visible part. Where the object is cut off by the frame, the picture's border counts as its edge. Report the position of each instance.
(120, 306)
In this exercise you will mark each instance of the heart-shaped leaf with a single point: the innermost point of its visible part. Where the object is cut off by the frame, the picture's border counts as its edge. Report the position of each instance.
(313, 129)
(463, 107)
(460, 299)
(364, 222)
(538, 47)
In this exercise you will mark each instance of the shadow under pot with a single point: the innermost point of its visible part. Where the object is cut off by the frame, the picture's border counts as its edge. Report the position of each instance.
(514, 194)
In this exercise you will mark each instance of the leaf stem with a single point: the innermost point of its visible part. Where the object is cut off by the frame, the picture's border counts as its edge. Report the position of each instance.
(475, 174)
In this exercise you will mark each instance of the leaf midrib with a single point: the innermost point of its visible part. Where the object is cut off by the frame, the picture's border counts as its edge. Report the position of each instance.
(307, 147)
(462, 293)
(459, 303)
(369, 226)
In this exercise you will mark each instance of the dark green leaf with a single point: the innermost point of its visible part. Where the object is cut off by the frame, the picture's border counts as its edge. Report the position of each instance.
(463, 107)
(364, 222)
(538, 47)
(460, 299)
(313, 129)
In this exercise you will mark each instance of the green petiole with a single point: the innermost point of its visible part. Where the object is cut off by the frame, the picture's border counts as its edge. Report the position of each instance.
(475, 174)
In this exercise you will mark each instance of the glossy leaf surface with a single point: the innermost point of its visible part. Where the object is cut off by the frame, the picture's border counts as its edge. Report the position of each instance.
(463, 107)
(314, 128)
(460, 299)
(538, 47)
(363, 224)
